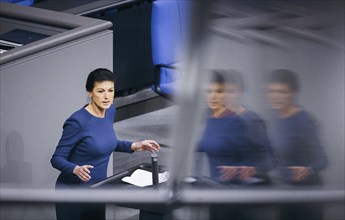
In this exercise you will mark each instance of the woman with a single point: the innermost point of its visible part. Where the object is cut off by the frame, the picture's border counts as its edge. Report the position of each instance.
(262, 153)
(225, 139)
(296, 140)
(87, 142)
(226, 143)
(299, 152)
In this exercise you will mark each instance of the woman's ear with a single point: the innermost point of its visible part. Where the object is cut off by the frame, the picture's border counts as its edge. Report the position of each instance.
(89, 94)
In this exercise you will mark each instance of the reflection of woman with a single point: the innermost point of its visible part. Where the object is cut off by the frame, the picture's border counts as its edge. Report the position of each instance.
(87, 141)
(225, 139)
(296, 140)
(297, 146)
(262, 153)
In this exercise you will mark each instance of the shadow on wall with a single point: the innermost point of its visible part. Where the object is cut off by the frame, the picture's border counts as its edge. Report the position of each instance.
(15, 172)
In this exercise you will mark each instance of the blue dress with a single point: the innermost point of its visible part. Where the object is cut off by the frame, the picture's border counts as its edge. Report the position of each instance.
(86, 140)
(225, 142)
(297, 142)
(262, 152)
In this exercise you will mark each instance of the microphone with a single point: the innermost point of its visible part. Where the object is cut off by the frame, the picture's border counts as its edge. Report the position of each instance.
(154, 161)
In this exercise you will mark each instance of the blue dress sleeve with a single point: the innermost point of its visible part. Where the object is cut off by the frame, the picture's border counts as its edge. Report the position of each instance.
(319, 161)
(71, 135)
(124, 146)
(261, 153)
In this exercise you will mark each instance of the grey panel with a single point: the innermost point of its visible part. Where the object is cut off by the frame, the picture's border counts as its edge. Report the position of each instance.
(38, 93)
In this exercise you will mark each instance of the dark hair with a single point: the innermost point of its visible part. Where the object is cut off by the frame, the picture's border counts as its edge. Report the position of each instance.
(217, 77)
(99, 75)
(284, 76)
(235, 77)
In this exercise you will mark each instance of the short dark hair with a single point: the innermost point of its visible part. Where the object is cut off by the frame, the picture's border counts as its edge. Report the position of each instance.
(235, 77)
(217, 77)
(99, 75)
(284, 76)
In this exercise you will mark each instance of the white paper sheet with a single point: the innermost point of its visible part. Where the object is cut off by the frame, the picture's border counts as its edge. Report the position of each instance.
(143, 178)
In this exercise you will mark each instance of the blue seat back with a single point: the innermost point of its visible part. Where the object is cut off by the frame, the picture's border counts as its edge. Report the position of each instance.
(169, 32)
(20, 2)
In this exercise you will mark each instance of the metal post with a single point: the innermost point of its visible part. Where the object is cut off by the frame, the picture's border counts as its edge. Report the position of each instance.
(154, 160)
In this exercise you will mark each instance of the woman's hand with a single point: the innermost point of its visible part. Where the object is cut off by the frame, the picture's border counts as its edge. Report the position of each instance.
(227, 173)
(242, 173)
(299, 173)
(246, 172)
(83, 172)
(149, 145)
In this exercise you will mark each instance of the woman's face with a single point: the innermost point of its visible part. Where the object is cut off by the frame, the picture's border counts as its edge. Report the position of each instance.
(216, 95)
(102, 94)
(280, 95)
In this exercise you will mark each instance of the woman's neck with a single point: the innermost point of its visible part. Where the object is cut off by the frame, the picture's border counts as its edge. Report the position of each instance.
(237, 108)
(288, 111)
(95, 110)
(216, 113)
